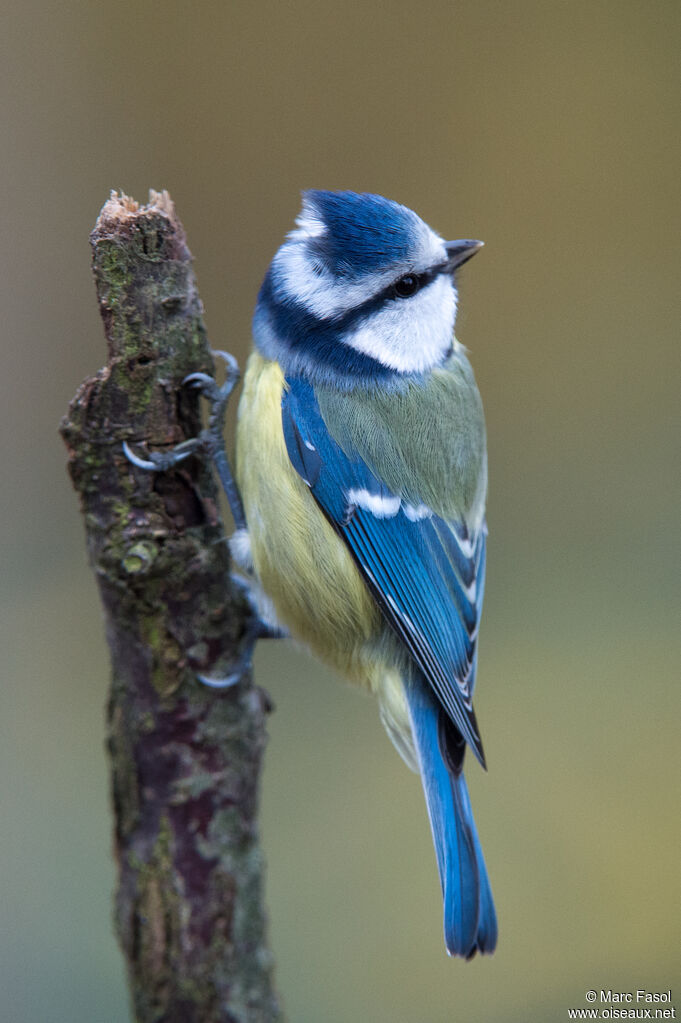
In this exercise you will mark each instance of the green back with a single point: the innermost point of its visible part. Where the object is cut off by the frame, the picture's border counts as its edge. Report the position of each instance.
(427, 442)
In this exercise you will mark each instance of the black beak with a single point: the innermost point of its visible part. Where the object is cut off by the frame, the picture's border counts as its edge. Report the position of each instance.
(459, 252)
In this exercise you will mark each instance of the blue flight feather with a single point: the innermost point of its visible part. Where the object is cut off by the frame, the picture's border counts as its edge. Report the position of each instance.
(415, 569)
(427, 576)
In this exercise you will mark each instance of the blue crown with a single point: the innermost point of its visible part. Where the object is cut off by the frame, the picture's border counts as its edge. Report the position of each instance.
(361, 233)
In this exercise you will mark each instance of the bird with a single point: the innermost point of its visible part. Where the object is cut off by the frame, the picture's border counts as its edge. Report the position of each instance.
(362, 467)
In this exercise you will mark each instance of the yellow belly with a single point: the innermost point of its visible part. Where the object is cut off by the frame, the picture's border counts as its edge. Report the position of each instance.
(303, 566)
(301, 563)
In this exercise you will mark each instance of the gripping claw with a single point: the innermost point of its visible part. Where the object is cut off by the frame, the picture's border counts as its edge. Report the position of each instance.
(216, 395)
(256, 629)
(161, 461)
(202, 380)
(220, 683)
(141, 463)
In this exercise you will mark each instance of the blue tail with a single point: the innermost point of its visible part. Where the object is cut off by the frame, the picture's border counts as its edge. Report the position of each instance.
(470, 921)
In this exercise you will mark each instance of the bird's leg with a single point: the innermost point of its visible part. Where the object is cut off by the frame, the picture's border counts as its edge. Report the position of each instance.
(210, 442)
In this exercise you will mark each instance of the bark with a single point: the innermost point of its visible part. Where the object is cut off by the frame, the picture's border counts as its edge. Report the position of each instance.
(185, 759)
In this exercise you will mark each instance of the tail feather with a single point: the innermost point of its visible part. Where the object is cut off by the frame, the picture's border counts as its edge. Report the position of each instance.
(486, 938)
(470, 923)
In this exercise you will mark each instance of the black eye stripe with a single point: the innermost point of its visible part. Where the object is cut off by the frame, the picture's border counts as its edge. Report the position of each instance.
(351, 318)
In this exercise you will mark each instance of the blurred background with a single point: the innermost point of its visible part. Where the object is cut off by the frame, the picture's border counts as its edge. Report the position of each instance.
(552, 132)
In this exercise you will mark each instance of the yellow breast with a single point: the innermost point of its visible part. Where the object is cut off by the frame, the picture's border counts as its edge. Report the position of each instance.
(301, 563)
(304, 567)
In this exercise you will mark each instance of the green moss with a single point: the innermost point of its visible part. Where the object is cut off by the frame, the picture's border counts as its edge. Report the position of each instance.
(168, 664)
(113, 267)
(140, 557)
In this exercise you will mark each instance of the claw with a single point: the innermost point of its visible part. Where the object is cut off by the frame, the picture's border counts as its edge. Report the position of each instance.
(141, 463)
(208, 383)
(256, 629)
(161, 461)
(220, 683)
(199, 379)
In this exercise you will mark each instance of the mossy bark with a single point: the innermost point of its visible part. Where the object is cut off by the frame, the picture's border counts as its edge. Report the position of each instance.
(185, 759)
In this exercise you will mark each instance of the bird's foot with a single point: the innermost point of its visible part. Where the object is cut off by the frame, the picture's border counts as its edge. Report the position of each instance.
(209, 442)
(256, 628)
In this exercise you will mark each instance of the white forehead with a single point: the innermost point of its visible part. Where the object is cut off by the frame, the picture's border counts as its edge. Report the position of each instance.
(308, 223)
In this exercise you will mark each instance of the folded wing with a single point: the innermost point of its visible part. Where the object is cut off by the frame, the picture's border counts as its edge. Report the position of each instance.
(426, 574)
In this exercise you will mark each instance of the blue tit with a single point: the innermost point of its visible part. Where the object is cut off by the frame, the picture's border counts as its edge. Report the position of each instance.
(361, 460)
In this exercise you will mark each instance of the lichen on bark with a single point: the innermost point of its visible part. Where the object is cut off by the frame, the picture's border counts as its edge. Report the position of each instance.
(185, 760)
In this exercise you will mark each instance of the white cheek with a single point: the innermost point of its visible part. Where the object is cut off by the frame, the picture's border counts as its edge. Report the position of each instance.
(327, 296)
(411, 335)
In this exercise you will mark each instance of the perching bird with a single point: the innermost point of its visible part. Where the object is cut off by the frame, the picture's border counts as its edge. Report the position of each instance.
(361, 461)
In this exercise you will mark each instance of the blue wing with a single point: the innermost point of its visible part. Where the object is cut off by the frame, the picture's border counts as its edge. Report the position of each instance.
(426, 574)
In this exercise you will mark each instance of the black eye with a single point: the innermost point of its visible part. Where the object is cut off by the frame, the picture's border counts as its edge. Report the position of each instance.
(405, 287)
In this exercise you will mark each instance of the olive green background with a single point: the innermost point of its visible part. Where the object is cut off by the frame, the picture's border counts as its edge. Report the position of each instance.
(550, 130)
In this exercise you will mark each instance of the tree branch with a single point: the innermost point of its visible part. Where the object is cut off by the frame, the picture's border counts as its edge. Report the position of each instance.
(185, 760)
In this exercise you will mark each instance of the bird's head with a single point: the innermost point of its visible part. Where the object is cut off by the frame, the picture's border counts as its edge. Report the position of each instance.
(361, 292)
